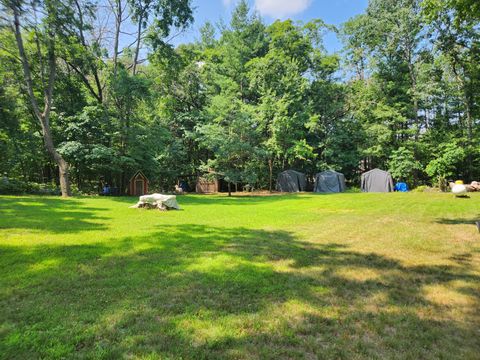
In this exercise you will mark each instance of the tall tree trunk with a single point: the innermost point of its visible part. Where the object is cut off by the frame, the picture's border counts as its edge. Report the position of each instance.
(469, 119)
(43, 116)
(270, 168)
(118, 24)
(137, 47)
(467, 115)
(413, 79)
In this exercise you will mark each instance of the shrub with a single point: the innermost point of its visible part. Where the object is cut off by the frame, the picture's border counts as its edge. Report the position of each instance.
(353, 189)
(445, 163)
(17, 187)
(12, 186)
(421, 188)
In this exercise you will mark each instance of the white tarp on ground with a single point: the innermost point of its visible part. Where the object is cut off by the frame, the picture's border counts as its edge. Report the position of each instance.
(160, 200)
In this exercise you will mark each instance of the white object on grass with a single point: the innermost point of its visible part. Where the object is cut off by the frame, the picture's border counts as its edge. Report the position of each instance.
(160, 200)
(459, 190)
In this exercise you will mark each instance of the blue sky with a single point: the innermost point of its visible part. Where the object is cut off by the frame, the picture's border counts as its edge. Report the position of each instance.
(331, 11)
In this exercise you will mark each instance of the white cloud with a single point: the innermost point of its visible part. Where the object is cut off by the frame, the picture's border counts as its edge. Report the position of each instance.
(228, 2)
(281, 8)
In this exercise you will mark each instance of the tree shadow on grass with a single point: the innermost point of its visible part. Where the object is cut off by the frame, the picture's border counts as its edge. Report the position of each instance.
(459, 221)
(221, 199)
(54, 215)
(199, 292)
(462, 258)
(224, 199)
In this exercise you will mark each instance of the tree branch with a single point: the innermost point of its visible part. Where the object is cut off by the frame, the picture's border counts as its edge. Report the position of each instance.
(26, 67)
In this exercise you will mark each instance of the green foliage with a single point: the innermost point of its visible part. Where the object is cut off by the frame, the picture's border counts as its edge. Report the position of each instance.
(19, 187)
(166, 14)
(403, 165)
(420, 189)
(248, 100)
(448, 157)
(463, 10)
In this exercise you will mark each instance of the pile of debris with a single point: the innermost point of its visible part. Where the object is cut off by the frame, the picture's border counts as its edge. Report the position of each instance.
(157, 201)
(474, 186)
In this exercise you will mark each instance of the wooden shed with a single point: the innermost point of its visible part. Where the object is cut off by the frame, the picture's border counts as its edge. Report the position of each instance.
(205, 186)
(138, 184)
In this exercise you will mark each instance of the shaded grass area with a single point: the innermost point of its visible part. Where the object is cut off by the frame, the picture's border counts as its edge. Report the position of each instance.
(344, 276)
(50, 214)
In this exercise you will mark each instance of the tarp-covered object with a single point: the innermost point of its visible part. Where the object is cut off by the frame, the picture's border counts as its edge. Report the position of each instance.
(291, 181)
(329, 182)
(459, 190)
(401, 187)
(158, 200)
(377, 180)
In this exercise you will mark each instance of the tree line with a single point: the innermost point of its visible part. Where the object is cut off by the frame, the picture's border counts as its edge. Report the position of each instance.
(93, 90)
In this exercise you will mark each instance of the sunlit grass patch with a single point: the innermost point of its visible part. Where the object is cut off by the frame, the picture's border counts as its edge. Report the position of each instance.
(302, 276)
(450, 296)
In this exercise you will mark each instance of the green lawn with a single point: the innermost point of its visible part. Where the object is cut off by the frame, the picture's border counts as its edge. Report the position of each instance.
(350, 276)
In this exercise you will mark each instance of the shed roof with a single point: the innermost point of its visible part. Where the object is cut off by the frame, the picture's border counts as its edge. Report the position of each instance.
(139, 172)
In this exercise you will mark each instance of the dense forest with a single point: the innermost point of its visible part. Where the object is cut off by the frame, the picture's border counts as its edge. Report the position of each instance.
(92, 91)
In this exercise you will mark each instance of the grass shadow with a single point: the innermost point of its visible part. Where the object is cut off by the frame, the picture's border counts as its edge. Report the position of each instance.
(54, 215)
(202, 292)
(459, 221)
(219, 199)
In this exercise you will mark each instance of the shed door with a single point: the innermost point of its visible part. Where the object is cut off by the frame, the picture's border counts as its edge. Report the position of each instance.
(139, 187)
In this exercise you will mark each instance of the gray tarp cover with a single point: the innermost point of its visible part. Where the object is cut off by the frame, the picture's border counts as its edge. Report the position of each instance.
(291, 181)
(329, 182)
(377, 180)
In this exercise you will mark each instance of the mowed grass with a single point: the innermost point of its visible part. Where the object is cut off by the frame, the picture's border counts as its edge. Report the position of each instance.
(348, 276)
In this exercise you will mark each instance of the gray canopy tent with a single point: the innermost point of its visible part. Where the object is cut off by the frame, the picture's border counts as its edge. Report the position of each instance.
(291, 181)
(329, 181)
(377, 180)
